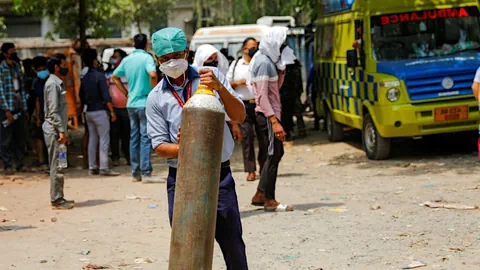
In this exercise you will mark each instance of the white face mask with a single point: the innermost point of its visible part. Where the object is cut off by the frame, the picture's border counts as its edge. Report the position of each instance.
(174, 68)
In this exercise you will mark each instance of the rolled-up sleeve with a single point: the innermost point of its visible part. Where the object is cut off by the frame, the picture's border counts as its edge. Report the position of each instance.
(53, 113)
(157, 126)
(150, 64)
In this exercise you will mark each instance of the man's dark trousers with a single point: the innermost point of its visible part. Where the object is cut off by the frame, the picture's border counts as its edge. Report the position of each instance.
(120, 132)
(250, 128)
(229, 226)
(268, 179)
(12, 141)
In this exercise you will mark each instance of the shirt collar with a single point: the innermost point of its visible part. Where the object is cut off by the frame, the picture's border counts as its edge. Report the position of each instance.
(243, 62)
(56, 79)
(4, 64)
(192, 75)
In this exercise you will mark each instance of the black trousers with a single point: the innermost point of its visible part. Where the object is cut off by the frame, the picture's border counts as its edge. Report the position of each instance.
(268, 179)
(120, 133)
(250, 128)
(12, 141)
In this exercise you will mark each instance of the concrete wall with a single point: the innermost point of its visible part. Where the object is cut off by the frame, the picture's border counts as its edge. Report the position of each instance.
(181, 16)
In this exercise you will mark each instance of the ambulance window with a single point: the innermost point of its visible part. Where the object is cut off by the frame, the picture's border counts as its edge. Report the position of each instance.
(327, 42)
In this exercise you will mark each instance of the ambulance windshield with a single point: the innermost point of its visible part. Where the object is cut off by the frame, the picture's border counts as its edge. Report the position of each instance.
(428, 33)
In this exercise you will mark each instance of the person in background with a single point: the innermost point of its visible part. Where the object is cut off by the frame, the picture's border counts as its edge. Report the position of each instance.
(164, 113)
(28, 77)
(190, 58)
(476, 90)
(96, 99)
(40, 66)
(55, 126)
(13, 110)
(237, 75)
(312, 95)
(209, 56)
(290, 93)
(230, 58)
(139, 69)
(266, 74)
(120, 129)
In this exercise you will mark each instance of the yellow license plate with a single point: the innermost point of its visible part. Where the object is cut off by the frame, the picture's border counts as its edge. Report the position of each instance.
(451, 114)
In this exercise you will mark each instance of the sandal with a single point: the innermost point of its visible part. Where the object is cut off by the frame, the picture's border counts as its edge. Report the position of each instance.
(251, 178)
(279, 208)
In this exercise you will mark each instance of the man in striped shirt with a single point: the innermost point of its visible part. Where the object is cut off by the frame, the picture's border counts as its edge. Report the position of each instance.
(267, 72)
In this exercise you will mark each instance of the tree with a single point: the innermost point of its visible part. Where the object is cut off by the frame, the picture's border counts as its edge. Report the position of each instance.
(3, 27)
(140, 12)
(248, 11)
(71, 18)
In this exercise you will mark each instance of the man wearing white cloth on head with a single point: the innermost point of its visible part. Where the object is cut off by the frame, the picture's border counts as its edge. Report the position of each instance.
(266, 75)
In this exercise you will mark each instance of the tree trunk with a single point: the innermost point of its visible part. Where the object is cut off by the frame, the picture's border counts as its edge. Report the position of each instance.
(82, 22)
(199, 10)
(139, 26)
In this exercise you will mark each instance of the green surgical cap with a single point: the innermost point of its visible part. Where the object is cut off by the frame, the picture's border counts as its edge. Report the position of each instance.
(168, 40)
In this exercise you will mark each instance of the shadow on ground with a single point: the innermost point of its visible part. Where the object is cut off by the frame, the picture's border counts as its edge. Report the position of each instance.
(432, 154)
(15, 228)
(297, 207)
(92, 203)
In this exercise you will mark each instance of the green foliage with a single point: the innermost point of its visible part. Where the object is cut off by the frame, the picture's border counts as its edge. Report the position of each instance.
(65, 14)
(140, 12)
(100, 14)
(3, 27)
(248, 11)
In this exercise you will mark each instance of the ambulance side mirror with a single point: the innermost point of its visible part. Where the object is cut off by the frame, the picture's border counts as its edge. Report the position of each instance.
(352, 58)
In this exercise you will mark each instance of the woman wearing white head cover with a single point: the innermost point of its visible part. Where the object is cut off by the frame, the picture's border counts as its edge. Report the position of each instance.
(208, 56)
(266, 74)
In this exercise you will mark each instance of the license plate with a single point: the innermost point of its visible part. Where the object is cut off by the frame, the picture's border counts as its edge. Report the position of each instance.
(451, 114)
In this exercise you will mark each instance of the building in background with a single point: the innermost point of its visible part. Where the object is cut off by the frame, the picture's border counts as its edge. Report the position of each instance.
(182, 15)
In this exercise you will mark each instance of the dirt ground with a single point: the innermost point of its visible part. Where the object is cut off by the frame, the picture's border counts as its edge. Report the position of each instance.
(351, 213)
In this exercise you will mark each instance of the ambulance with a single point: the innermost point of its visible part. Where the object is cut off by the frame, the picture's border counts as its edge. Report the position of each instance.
(397, 69)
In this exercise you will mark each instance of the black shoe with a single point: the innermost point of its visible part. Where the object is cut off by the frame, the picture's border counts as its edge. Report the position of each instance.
(108, 173)
(115, 163)
(62, 204)
(94, 172)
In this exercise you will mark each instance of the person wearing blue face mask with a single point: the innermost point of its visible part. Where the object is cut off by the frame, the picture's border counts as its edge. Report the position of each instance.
(40, 67)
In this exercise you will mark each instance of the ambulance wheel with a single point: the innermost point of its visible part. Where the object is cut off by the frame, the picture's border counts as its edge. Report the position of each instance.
(334, 130)
(376, 146)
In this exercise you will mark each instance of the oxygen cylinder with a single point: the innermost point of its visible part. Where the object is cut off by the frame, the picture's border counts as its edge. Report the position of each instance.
(197, 185)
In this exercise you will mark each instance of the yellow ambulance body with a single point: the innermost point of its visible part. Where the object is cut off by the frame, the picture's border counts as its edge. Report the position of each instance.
(397, 69)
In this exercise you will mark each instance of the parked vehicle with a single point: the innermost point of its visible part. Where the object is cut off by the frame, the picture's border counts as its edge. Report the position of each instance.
(408, 75)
